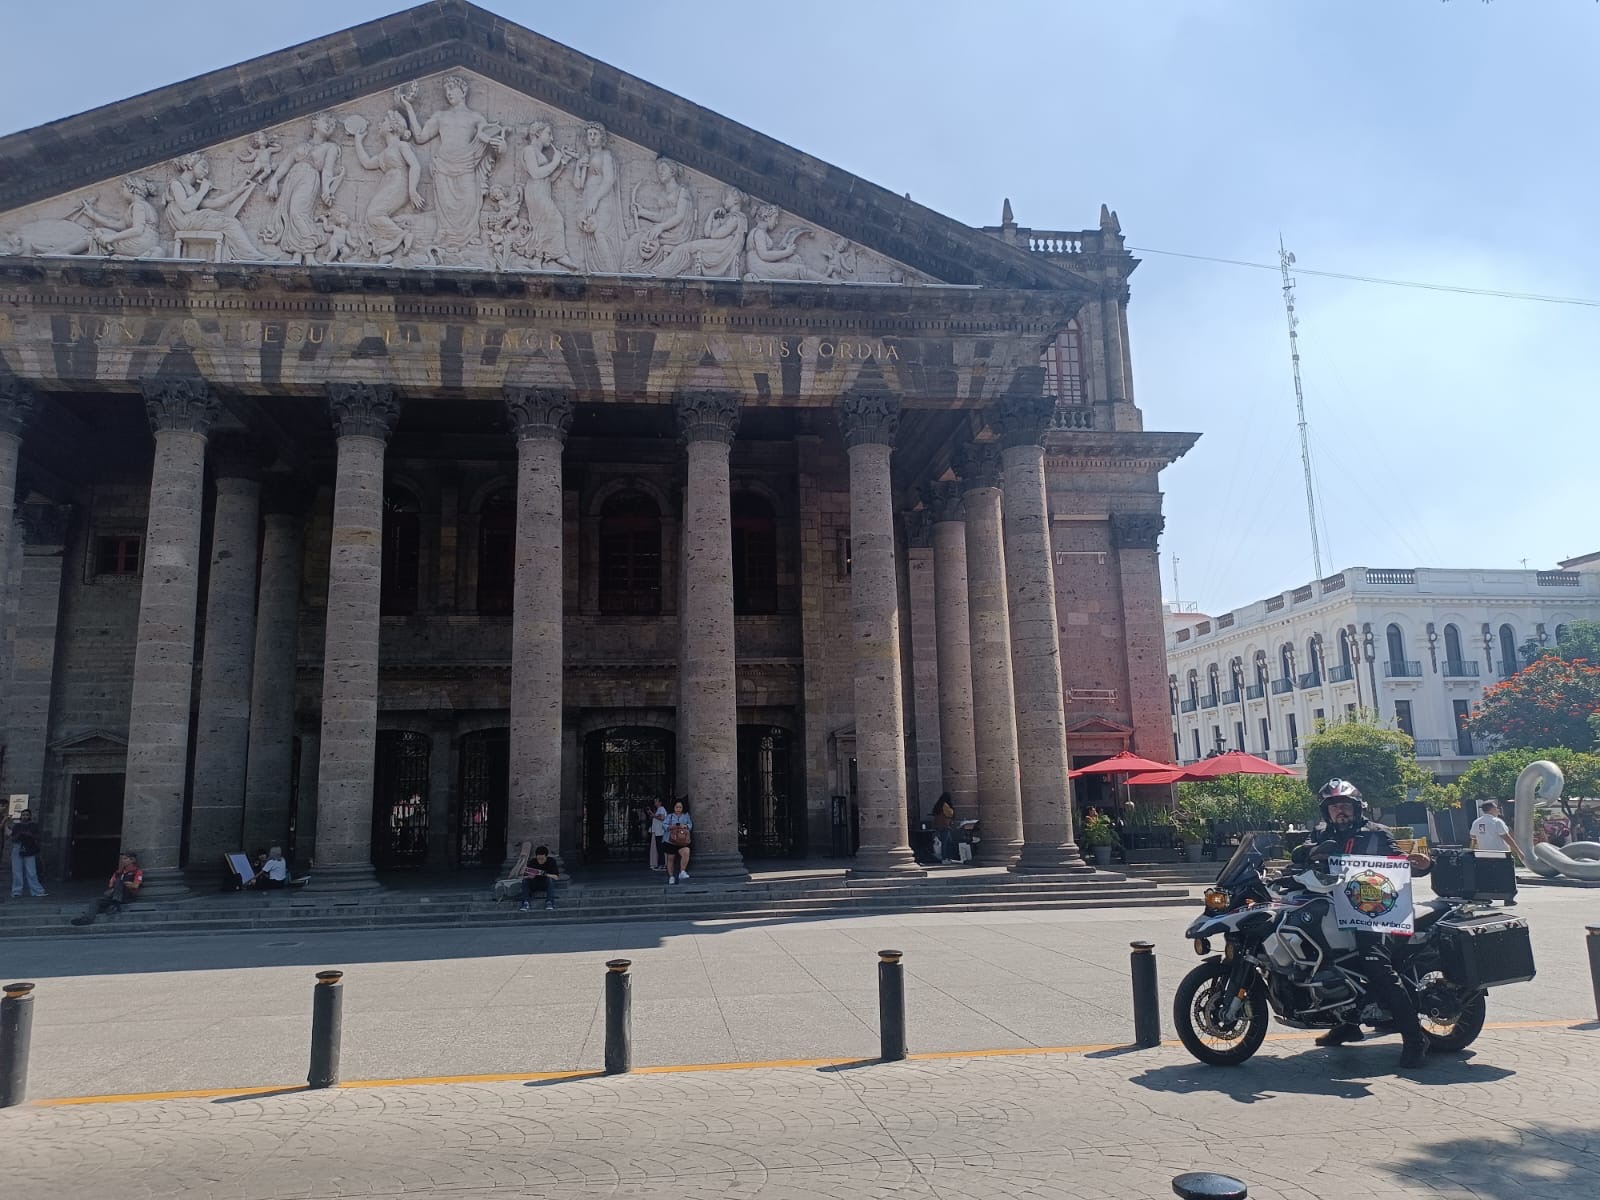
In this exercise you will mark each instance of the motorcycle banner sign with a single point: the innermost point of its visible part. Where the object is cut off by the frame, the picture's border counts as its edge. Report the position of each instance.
(1374, 894)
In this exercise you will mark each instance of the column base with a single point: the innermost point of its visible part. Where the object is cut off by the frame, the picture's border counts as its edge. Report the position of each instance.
(164, 883)
(345, 877)
(885, 862)
(1055, 858)
(720, 866)
(992, 852)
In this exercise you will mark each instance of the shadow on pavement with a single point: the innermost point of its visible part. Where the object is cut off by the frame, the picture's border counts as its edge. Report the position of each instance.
(1559, 1158)
(1342, 1074)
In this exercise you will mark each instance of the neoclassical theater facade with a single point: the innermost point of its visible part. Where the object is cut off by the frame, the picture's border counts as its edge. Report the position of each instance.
(429, 438)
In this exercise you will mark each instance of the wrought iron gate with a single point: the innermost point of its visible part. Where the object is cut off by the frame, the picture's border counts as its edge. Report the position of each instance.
(628, 771)
(766, 817)
(485, 784)
(400, 800)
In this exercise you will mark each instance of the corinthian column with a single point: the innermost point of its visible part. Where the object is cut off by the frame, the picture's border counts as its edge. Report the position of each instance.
(222, 737)
(16, 405)
(869, 423)
(363, 417)
(181, 410)
(953, 639)
(269, 765)
(708, 713)
(1035, 640)
(540, 418)
(994, 714)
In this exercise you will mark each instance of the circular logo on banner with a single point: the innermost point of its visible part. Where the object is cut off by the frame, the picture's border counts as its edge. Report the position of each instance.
(1372, 893)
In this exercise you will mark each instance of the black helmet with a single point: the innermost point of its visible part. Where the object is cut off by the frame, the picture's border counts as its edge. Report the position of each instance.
(1341, 789)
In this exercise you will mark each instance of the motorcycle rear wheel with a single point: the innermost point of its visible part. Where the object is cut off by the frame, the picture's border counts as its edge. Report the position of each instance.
(1205, 989)
(1447, 1036)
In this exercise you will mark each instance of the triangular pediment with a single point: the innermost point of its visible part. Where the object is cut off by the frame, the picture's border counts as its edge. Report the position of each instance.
(352, 149)
(94, 741)
(1099, 727)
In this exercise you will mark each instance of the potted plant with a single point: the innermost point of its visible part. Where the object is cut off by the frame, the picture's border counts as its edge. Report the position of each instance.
(1190, 826)
(1097, 834)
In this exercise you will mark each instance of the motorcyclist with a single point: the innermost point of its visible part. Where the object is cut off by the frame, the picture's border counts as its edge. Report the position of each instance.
(1345, 830)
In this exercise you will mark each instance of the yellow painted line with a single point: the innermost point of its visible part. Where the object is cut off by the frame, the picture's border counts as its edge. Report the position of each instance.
(687, 1068)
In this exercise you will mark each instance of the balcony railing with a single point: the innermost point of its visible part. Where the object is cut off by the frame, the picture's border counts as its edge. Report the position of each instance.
(1280, 686)
(1461, 670)
(1341, 674)
(1311, 679)
(1254, 692)
(1231, 696)
(1468, 746)
(1065, 417)
(1392, 577)
(1429, 748)
(1188, 706)
(1557, 579)
(1402, 670)
(1208, 701)
(1285, 758)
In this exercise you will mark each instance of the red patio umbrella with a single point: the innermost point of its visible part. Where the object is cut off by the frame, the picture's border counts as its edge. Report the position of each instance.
(1234, 762)
(1120, 764)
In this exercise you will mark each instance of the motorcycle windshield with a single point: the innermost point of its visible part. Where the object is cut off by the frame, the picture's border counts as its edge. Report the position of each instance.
(1245, 865)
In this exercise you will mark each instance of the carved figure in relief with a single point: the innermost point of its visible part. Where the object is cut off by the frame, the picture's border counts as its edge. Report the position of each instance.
(469, 146)
(775, 258)
(600, 221)
(503, 224)
(49, 235)
(663, 218)
(137, 233)
(257, 156)
(338, 243)
(717, 252)
(402, 173)
(544, 239)
(194, 206)
(308, 177)
(839, 260)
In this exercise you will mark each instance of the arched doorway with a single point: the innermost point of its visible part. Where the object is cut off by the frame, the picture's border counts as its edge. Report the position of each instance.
(766, 783)
(628, 770)
(400, 800)
(485, 788)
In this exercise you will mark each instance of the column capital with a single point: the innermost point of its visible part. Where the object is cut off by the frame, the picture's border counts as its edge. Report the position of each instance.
(1137, 531)
(538, 412)
(978, 464)
(17, 402)
(179, 403)
(1022, 418)
(236, 454)
(707, 415)
(866, 417)
(363, 409)
(943, 498)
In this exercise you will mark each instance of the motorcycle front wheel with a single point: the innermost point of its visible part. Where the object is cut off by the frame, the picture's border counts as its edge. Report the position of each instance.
(1197, 1010)
(1448, 1036)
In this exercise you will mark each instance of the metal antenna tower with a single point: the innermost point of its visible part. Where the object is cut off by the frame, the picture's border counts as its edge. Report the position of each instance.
(1285, 261)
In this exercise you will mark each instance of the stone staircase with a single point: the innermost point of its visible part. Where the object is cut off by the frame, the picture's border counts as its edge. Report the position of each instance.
(769, 899)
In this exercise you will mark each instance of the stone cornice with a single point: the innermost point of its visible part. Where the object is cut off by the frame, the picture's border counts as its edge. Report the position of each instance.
(1092, 449)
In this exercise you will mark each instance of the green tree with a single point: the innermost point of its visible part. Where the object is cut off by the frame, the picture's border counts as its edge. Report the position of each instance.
(1579, 640)
(1251, 801)
(1495, 777)
(1381, 762)
(1546, 704)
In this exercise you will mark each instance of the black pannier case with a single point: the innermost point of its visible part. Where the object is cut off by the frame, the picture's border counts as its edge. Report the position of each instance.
(1462, 875)
(1486, 950)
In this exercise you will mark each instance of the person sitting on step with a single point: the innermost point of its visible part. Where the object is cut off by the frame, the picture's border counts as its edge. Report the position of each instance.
(123, 886)
(540, 876)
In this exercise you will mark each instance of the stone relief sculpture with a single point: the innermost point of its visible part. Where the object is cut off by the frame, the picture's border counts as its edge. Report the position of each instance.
(309, 177)
(600, 222)
(376, 182)
(469, 145)
(401, 173)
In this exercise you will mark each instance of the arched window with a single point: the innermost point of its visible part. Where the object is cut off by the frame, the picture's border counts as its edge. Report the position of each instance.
(1062, 361)
(1452, 649)
(497, 551)
(755, 555)
(402, 536)
(1194, 689)
(1213, 682)
(1345, 653)
(630, 555)
(1508, 652)
(1397, 649)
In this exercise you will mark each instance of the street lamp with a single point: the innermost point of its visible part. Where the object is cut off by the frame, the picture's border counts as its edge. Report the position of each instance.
(1370, 645)
(1353, 642)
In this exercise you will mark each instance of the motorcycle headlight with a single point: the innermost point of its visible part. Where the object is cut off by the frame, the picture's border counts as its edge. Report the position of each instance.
(1202, 946)
(1217, 899)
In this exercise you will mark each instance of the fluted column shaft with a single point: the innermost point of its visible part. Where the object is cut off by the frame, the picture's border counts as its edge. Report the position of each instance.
(953, 640)
(708, 712)
(1036, 642)
(994, 715)
(222, 736)
(869, 423)
(363, 417)
(269, 767)
(181, 411)
(16, 405)
(540, 419)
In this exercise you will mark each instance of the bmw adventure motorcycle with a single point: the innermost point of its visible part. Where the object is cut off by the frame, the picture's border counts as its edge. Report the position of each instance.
(1282, 953)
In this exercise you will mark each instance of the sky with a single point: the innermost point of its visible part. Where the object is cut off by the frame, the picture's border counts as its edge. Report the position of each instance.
(1436, 141)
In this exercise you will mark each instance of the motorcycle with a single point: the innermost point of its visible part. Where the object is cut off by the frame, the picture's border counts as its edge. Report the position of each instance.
(1284, 955)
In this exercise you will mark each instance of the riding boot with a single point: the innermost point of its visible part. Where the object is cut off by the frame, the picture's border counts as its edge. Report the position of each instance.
(1415, 1050)
(1340, 1035)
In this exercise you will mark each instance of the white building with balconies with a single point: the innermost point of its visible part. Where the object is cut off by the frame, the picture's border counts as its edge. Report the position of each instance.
(1415, 645)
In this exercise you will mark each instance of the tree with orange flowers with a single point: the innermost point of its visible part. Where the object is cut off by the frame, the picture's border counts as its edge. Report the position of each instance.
(1547, 703)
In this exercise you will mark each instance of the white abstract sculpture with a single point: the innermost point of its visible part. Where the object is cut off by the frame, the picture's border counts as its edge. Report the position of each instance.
(1576, 860)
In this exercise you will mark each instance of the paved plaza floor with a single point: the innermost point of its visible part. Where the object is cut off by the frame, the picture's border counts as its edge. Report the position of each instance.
(1517, 1117)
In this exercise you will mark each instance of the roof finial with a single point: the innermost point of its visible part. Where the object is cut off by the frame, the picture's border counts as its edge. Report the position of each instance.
(1005, 213)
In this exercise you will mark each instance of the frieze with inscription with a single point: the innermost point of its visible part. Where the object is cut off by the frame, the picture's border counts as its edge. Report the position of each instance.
(445, 171)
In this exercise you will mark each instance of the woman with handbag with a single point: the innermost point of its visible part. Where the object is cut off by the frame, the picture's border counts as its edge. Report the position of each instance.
(678, 831)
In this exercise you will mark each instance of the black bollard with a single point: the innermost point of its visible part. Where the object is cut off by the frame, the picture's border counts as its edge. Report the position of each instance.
(1594, 966)
(619, 1017)
(1146, 998)
(327, 1019)
(16, 1026)
(891, 1006)
(1208, 1185)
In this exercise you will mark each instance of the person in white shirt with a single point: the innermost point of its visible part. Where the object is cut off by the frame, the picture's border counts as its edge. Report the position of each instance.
(274, 873)
(1490, 836)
